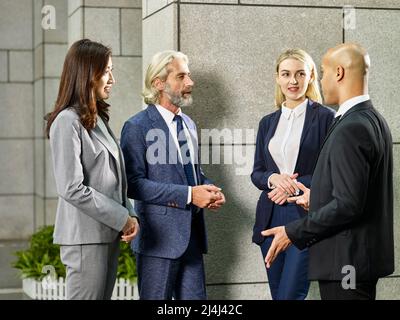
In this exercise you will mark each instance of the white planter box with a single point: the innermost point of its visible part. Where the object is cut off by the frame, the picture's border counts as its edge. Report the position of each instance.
(55, 290)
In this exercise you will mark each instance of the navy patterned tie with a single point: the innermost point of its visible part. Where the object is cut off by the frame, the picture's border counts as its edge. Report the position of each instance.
(185, 152)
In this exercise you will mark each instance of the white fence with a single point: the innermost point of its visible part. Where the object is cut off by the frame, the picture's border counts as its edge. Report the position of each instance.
(55, 290)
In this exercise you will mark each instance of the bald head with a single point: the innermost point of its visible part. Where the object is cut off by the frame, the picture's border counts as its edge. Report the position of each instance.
(345, 73)
(351, 57)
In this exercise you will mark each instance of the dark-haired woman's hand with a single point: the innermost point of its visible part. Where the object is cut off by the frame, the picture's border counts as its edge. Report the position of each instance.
(130, 230)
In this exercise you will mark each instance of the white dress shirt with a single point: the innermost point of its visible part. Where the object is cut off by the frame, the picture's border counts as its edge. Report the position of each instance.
(348, 104)
(285, 144)
(168, 117)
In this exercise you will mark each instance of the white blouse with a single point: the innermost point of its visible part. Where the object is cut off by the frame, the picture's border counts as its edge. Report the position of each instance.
(285, 144)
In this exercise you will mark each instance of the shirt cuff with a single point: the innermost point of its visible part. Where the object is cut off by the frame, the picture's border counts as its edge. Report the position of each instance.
(189, 198)
(270, 186)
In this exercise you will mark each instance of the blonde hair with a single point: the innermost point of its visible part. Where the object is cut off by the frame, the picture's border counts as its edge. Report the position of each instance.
(313, 91)
(158, 68)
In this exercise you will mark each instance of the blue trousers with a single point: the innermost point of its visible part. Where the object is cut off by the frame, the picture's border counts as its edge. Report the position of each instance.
(182, 278)
(288, 274)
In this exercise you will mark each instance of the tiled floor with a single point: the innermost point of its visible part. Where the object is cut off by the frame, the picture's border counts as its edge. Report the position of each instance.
(13, 294)
(9, 276)
(10, 281)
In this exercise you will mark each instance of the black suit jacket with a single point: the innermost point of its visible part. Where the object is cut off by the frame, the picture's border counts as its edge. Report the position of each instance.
(316, 124)
(350, 221)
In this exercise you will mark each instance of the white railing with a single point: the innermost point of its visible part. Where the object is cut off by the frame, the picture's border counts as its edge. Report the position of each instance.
(55, 290)
(125, 290)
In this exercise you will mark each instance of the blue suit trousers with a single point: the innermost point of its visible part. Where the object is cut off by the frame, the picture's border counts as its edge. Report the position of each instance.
(181, 279)
(288, 274)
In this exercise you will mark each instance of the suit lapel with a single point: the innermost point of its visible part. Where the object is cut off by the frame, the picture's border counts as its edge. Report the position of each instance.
(121, 162)
(311, 112)
(98, 133)
(358, 107)
(172, 156)
(270, 134)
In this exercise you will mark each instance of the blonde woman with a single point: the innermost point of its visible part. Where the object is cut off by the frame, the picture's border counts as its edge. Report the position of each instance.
(288, 143)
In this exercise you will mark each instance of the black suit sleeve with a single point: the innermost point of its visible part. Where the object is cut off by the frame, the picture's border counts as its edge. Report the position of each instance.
(344, 190)
(260, 174)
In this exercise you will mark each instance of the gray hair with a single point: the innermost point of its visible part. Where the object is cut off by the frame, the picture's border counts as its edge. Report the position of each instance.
(158, 68)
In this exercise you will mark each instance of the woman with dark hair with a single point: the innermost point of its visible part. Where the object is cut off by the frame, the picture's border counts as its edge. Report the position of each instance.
(93, 210)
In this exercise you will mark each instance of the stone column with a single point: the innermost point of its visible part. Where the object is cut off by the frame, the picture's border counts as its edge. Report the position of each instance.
(16, 134)
(17, 125)
(50, 46)
(116, 24)
(378, 29)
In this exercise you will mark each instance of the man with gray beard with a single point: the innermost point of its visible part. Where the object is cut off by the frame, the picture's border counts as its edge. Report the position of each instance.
(160, 147)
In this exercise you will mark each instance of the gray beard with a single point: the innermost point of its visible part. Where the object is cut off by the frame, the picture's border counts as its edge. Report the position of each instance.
(178, 100)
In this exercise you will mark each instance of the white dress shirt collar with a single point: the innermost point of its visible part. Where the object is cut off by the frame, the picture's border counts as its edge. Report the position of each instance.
(167, 115)
(284, 146)
(298, 110)
(348, 104)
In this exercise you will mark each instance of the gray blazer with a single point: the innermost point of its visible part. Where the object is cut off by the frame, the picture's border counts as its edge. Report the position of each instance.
(88, 177)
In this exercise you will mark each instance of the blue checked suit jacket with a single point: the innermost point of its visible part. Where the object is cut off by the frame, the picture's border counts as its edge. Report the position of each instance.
(160, 190)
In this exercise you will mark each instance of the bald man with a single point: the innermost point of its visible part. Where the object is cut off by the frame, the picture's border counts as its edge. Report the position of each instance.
(349, 228)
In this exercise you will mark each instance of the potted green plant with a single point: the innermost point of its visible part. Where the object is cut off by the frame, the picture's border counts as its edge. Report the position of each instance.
(43, 273)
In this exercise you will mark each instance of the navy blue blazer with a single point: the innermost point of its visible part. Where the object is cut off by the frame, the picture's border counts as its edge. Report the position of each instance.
(316, 124)
(160, 188)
